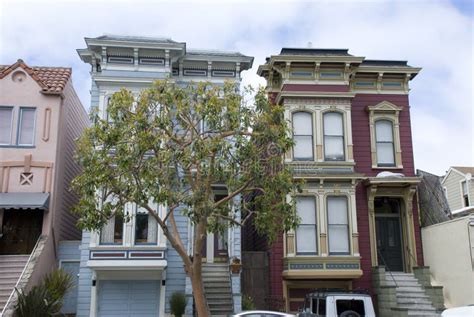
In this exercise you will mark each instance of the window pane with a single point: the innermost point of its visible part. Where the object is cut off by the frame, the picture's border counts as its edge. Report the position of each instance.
(333, 124)
(146, 228)
(118, 230)
(464, 188)
(112, 232)
(306, 210)
(302, 124)
(338, 238)
(5, 125)
(385, 153)
(26, 127)
(337, 210)
(303, 148)
(306, 239)
(383, 131)
(333, 148)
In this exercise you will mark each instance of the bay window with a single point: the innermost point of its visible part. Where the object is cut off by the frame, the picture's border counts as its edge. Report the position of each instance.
(112, 232)
(306, 233)
(333, 136)
(303, 136)
(338, 225)
(146, 227)
(384, 143)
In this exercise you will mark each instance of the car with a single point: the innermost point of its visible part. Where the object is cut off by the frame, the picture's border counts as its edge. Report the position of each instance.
(463, 311)
(335, 303)
(263, 313)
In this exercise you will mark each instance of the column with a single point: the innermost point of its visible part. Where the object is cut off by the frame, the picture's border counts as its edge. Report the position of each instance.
(209, 70)
(237, 70)
(104, 57)
(135, 58)
(167, 58)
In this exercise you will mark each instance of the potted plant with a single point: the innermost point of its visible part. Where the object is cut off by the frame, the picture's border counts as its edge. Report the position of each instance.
(235, 265)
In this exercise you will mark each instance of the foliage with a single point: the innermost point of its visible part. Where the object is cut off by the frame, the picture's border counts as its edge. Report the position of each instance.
(247, 303)
(46, 298)
(178, 302)
(172, 146)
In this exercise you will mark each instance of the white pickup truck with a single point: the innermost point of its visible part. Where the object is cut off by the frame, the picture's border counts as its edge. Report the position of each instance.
(337, 304)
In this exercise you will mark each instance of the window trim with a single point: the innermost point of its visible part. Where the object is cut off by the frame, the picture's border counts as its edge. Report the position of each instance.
(293, 135)
(343, 136)
(349, 252)
(385, 142)
(385, 111)
(465, 196)
(315, 227)
(11, 124)
(19, 125)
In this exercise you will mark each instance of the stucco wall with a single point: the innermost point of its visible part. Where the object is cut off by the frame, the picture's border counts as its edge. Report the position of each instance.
(448, 250)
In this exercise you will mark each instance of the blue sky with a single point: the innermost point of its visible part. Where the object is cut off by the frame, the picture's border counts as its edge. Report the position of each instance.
(434, 35)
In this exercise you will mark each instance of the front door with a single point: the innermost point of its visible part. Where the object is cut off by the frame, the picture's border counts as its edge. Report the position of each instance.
(389, 238)
(20, 230)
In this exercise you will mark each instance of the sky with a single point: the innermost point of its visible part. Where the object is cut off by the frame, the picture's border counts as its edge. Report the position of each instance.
(435, 35)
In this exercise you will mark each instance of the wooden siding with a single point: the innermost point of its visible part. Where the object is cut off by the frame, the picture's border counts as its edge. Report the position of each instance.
(175, 275)
(85, 279)
(361, 133)
(276, 268)
(74, 120)
(453, 187)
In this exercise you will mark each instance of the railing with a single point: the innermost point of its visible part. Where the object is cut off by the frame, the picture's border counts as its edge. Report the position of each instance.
(412, 257)
(386, 267)
(21, 276)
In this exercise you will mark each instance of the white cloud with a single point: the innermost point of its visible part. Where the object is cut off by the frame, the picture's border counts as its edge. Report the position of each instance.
(430, 34)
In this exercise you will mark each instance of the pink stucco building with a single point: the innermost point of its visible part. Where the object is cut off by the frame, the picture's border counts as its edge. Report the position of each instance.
(40, 117)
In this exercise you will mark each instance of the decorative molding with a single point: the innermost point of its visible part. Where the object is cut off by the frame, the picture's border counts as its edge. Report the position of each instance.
(46, 124)
(317, 101)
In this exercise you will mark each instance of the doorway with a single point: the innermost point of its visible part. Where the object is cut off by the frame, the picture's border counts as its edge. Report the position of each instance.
(20, 230)
(388, 233)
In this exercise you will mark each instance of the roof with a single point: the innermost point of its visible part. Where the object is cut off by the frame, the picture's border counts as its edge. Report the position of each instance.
(24, 200)
(464, 169)
(377, 62)
(145, 39)
(315, 51)
(51, 79)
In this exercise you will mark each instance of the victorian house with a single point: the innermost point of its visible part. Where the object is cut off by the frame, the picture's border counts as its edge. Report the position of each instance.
(40, 117)
(359, 227)
(128, 268)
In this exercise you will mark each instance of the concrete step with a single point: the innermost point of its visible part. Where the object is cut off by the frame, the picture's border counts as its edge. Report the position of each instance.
(218, 290)
(403, 283)
(409, 289)
(223, 284)
(418, 307)
(216, 278)
(218, 296)
(414, 300)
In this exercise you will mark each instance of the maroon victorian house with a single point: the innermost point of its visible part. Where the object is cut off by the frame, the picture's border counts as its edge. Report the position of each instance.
(359, 225)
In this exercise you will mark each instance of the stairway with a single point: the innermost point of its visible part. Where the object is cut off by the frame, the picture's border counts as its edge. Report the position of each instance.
(11, 267)
(218, 288)
(410, 294)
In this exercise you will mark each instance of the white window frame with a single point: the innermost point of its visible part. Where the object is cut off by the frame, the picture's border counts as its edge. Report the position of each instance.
(329, 136)
(11, 108)
(315, 225)
(312, 135)
(465, 195)
(392, 142)
(348, 225)
(19, 126)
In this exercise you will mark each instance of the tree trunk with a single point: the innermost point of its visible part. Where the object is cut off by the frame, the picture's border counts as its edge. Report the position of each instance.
(200, 300)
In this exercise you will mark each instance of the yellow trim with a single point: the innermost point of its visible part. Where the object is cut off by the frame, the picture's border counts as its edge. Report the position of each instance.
(333, 274)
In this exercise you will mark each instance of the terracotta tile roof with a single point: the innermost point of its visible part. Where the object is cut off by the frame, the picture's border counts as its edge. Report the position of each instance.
(51, 79)
(464, 169)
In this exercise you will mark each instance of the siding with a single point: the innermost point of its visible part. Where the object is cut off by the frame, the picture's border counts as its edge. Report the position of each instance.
(69, 252)
(85, 279)
(75, 119)
(175, 275)
(361, 133)
(453, 187)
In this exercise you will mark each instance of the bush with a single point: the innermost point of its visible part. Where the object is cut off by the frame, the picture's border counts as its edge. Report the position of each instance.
(45, 299)
(178, 302)
(247, 303)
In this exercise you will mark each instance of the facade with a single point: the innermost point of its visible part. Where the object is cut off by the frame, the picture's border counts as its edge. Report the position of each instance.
(353, 148)
(458, 185)
(40, 117)
(124, 272)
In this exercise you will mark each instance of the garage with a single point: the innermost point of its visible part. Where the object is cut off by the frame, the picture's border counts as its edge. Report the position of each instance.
(128, 298)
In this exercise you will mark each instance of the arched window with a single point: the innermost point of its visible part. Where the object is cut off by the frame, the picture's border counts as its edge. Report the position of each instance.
(333, 136)
(384, 143)
(303, 136)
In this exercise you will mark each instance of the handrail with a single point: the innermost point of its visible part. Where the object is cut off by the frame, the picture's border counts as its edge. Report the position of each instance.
(412, 256)
(21, 276)
(386, 267)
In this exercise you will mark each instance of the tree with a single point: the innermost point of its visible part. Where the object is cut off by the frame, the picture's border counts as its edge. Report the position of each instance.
(170, 146)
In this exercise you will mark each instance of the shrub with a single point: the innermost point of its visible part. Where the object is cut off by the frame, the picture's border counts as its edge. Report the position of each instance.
(45, 299)
(247, 303)
(178, 303)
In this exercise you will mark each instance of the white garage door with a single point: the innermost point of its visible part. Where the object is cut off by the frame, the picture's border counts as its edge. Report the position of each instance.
(129, 298)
